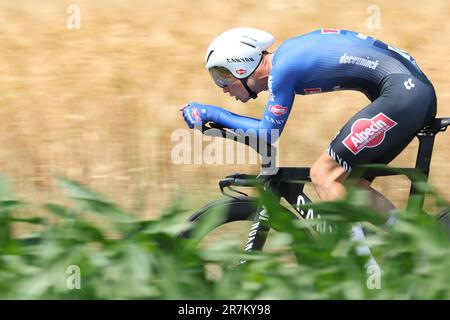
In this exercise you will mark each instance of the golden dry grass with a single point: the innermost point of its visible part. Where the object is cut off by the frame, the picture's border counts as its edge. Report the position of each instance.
(99, 104)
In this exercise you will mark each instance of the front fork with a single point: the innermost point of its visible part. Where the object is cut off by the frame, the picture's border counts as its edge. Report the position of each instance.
(259, 229)
(292, 192)
(258, 232)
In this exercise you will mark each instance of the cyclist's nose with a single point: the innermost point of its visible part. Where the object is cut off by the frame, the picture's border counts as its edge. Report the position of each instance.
(226, 89)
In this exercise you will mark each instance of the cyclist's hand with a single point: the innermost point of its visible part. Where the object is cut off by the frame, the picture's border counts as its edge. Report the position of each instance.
(196, 114)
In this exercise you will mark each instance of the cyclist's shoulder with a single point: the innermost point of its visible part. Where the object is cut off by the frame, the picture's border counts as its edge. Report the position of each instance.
(286, 56)
(297, 41)
(313, 42)
(289, 57)
(288, 64)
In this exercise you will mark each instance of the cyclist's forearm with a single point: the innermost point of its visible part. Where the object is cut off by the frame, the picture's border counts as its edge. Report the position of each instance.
(234, 121)
(237, 122)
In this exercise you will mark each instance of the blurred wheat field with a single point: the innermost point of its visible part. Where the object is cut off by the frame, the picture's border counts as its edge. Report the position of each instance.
(99, 104)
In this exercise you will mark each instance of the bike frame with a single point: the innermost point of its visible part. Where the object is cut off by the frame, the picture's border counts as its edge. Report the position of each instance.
(289, 182)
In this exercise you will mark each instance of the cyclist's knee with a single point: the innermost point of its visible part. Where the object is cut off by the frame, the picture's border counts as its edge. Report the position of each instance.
(317, 174)
(320, 175)
(325, 172)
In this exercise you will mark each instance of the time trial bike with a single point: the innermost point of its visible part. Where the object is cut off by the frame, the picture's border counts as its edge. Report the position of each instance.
(289, 183)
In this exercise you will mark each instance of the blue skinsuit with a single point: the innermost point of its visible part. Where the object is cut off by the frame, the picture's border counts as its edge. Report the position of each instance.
(322, 61)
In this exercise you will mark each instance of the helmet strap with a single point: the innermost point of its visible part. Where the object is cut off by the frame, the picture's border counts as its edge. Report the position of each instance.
(251, 93)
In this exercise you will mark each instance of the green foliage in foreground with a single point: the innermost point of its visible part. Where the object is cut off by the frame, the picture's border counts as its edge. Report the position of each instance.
(122, 257)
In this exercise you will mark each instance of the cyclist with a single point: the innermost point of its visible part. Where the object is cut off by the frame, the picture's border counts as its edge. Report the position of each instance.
(402, 98)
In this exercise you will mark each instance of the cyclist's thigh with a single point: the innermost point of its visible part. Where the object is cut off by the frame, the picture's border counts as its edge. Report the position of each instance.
(379, 132)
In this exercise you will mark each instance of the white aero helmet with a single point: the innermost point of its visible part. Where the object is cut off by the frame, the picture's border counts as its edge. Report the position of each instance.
(237, 52)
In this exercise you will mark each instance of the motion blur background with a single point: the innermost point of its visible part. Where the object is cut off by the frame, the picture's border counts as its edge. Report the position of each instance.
(99, 104)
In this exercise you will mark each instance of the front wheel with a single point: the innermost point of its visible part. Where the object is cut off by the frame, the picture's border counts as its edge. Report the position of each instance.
(231, 218)
(221, 212)
(225, 217)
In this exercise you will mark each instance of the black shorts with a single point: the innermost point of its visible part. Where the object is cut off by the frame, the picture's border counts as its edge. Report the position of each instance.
(379, 132)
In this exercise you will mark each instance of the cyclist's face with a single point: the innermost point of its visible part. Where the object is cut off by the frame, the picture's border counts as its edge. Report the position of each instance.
(237, 90)
(229, 84)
